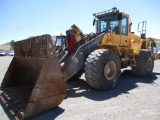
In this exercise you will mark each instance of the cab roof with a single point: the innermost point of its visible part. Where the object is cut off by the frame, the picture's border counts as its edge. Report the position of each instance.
(108, 12)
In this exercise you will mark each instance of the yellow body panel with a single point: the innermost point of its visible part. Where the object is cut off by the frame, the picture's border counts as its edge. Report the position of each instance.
(156, 56)
(116, 39)
(135, 46)
(107, 39)
(113, 47)
(124, 40)
(116, 42)
(133, 36)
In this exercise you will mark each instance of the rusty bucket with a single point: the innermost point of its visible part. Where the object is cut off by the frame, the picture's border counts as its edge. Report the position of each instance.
(33, 82)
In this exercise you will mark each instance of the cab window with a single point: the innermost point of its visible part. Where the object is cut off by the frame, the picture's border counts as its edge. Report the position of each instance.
(124, 26)
(102, 26)
(114, 25)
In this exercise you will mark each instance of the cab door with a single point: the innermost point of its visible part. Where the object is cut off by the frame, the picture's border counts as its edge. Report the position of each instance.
(115, 27)
(124, 31)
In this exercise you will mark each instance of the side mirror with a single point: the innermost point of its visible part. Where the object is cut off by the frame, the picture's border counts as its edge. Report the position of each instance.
(94, 22)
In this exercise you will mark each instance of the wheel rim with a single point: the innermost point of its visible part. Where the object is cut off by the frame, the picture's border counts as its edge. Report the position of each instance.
(149, 64)
(110, 70)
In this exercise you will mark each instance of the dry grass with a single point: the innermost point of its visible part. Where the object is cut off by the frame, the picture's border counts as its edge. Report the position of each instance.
(5, 47)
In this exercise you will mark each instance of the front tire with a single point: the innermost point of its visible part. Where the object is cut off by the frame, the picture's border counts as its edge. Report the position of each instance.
(102, 69)
(144, 63)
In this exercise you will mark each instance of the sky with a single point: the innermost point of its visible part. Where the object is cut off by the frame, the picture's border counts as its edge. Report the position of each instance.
(20, 19)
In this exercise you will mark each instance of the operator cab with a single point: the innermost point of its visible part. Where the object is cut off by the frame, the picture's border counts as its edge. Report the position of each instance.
(115, 24)
(111, 21)
(59, 43)
(59, 40)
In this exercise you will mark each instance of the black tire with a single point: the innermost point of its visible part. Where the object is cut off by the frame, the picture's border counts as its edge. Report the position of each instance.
(144, 63)
(95, 67)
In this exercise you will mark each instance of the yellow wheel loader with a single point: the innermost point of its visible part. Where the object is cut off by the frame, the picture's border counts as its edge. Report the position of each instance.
(36, 78)
(119, 49)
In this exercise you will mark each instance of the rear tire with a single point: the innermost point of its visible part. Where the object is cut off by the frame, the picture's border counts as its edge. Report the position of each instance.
(102, 69)
(144, 63)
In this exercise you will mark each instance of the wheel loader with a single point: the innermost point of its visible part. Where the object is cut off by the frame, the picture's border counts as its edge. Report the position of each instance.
(36, 78)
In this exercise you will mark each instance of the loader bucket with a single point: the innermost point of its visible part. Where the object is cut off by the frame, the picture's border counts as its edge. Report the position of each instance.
(33, 82)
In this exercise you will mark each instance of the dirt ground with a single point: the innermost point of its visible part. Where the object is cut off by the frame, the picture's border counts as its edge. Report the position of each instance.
(134, 98)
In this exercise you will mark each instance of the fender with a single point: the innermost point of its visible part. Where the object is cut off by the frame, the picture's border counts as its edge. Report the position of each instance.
(113, 47)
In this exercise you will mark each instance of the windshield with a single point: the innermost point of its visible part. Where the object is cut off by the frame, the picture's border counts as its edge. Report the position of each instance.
(101, 26)
(59, 40)
(104, 25)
